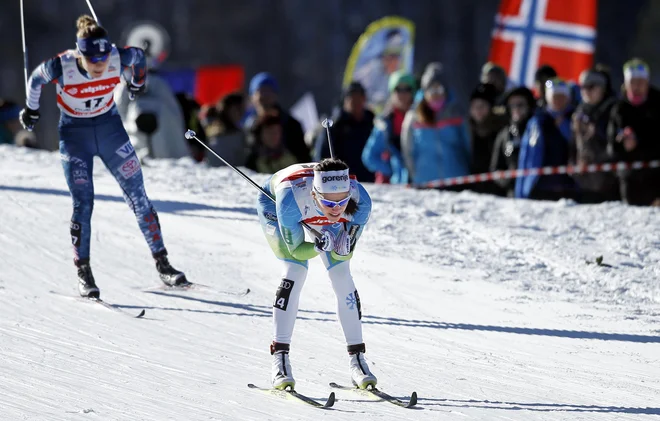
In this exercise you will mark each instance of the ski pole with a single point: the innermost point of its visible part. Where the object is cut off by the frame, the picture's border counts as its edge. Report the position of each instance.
(131, 96)
(25, 52)
(91, 9)
(190, 134)
(327, 123)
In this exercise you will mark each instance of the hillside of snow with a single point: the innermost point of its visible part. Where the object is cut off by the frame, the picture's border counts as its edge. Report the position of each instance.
(485, 306)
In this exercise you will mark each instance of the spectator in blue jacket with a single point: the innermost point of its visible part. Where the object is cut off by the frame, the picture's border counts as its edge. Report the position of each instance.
(434, 140)
(382, 154)
(546, 143)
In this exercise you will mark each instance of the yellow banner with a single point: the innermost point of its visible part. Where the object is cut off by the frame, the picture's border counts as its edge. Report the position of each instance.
(387, 45)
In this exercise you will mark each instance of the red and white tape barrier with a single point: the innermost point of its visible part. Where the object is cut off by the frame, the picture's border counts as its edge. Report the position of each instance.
(564, 169)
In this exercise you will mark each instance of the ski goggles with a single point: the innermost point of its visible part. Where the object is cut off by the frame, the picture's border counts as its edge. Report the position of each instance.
(97, 59)
(331, 203)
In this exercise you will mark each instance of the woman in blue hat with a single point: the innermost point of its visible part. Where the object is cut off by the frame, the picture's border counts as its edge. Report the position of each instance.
(89, 126)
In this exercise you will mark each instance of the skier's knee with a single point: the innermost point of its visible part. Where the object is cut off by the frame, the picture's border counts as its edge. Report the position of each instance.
(83, 206)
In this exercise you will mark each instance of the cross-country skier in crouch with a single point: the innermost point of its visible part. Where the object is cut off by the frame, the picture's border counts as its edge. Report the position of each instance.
(90, 126)
(325, 197)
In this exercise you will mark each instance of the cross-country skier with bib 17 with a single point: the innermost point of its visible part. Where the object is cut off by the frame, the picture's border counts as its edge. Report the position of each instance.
(326, 198)
(90, 126)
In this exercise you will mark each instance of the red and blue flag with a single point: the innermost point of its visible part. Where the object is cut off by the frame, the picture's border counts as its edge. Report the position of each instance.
(531, 33)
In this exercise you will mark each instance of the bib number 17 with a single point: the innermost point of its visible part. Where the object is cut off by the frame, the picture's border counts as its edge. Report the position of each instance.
(95, 101)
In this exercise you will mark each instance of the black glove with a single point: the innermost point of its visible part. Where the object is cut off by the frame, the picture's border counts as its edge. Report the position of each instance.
(135, 90)
(28, 118)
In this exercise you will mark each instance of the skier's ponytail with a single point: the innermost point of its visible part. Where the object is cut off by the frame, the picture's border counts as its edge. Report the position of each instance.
(89, 28)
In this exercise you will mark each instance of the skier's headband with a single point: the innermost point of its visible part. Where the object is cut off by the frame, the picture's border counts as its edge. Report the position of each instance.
(93, 47)
(332, 181)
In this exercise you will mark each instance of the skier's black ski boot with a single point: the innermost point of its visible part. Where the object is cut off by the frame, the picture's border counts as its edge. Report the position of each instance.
(170, 276)
(86, 285)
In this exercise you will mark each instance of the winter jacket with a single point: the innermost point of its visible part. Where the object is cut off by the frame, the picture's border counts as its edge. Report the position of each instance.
(349, 138)
(482, 140)
(382, 154)
(292, 132)
(589, 146)
(545, 144)
(439, 151)
(638, 187)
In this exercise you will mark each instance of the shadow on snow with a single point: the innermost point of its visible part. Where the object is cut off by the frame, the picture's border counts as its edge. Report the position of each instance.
(168, 206)
(314, 315)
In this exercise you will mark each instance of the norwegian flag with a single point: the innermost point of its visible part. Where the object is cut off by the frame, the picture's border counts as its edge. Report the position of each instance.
(531, 33)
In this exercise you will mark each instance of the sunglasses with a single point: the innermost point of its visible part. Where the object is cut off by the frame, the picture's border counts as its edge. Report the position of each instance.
(588, 87)
(97, 59)
(403, 89)
(331, 203)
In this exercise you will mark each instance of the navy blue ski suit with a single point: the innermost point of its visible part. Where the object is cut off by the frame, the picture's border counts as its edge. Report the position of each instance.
(81, 139)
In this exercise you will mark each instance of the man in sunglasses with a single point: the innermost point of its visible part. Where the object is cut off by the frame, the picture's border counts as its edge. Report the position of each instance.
(326, 198)
(90, 126)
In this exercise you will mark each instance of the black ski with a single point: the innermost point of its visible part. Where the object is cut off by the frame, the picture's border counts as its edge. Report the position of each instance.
(115, 308)
(292, 394)
(105, 304)
(191, 286)
(374, 393)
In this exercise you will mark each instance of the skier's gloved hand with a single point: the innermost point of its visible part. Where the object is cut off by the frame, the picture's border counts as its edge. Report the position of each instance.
(325, 242)
(134, 90)
(343, 244)
(28, 118)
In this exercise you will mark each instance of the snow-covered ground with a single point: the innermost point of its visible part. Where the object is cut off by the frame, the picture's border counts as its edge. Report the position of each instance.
(485, 306)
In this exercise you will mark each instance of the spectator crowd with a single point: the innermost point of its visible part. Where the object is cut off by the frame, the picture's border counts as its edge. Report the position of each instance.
(423, 135)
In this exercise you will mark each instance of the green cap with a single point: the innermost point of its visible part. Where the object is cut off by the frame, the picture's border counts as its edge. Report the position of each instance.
(401, 76)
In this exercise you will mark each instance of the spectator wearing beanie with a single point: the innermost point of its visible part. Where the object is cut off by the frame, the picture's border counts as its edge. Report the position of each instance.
(434, 139)
(542, 75)
(520, 107)
(495, 75)
(546, 143)
(263, 92)
(589, 140)
(484, 126)
(382, 154)
(632, 134)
